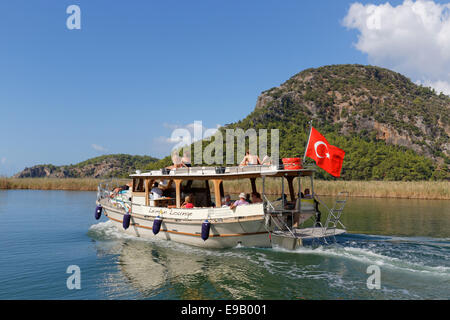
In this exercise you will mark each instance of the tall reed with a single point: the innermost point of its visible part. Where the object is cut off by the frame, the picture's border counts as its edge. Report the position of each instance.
(439, 190)
(78, 184)
(373, 189)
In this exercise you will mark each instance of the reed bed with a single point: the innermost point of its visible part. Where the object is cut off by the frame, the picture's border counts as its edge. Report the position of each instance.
(438, 190)
(432, 190)
(72, 184)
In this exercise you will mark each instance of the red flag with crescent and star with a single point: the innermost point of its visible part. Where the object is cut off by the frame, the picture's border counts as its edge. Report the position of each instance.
(327, 156)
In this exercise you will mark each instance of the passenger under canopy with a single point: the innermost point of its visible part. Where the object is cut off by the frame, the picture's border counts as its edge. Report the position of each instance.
(196, 181)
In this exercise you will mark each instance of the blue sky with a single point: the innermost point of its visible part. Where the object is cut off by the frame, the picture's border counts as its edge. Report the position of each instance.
(136, 69)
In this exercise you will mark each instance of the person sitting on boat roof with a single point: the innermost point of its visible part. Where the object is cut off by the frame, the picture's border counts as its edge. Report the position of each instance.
(176, 160)
(226, 201)
(250, 160)
(156, 191)
(186, 160)
(266, 160)
(188, 202)
(239, 202)
(256, 197)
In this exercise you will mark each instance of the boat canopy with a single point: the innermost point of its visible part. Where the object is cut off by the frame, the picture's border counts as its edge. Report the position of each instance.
(223, 173)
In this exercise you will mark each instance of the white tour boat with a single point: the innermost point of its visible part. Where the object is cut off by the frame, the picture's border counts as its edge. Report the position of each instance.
(209, 224)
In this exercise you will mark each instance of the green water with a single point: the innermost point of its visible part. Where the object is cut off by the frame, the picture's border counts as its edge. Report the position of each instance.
(399, 217)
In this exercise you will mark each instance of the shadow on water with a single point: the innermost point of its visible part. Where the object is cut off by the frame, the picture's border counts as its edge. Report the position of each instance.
(412, 267)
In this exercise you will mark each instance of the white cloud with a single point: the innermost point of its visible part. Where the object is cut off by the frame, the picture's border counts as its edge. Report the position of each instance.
(3, 160)
(439, 86)
(412, 38)
(98, 148)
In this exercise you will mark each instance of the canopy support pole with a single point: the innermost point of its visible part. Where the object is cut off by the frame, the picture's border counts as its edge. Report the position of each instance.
(217, 184)
(253, 181)
(178, 191)
(290, 180)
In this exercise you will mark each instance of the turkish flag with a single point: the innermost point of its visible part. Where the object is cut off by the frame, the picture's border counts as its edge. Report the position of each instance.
(327, 156)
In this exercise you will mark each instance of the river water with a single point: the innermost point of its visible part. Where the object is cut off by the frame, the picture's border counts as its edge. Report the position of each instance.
(44, 232)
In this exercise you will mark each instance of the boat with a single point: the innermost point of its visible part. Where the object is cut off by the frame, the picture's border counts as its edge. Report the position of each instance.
(269, 223)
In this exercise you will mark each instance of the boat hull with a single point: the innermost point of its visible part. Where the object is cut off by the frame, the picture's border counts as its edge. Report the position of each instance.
(248, 232)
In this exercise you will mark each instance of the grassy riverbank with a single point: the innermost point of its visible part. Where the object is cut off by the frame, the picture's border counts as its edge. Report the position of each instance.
(436, 190)
(373, 189)
(72, 184)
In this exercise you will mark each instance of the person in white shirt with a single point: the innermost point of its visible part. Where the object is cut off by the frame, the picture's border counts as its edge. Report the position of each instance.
(156, 191)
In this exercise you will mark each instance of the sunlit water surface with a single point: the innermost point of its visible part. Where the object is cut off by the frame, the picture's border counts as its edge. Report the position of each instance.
(44, 232)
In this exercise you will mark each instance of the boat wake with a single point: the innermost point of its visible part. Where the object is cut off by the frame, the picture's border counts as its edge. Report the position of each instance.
(408, 265)
(426, 256)
(104, 231)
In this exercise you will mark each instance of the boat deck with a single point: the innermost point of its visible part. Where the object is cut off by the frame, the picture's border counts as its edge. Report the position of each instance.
(287, 240)
(309, 233)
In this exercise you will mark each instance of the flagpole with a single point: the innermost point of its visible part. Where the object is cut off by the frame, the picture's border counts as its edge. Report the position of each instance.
(307, 143)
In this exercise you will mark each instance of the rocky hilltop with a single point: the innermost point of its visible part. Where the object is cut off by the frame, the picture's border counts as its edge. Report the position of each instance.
(365, 100)
(390, 127)
(115, 165)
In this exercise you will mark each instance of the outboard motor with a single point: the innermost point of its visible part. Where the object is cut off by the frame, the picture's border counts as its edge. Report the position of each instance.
(206, 226)
(126, 221)
(157, 225)
(98, 212)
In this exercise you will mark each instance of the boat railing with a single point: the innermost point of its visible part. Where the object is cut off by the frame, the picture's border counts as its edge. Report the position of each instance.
(276, 215)
(279, 207)
(216, 170)
(105, 191)
(335, 213)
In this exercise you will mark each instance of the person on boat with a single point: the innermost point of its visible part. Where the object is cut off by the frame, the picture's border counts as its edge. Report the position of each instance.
(163, 184)
(176, 160)
(256, 197)
(240, 202)
(156, 191)
(247, 198)
(186, 160)
(188, 202)
(266, 160)
(250, 159)
(307, 195)
(122, 189)
(226, 201)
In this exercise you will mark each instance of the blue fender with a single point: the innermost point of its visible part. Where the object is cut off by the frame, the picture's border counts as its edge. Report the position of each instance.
(206, 226)
(156, 225)
(98, 212)
(126, 221)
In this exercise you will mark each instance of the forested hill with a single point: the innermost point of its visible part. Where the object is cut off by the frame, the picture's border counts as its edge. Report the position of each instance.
(107, 166)
(389, 127)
